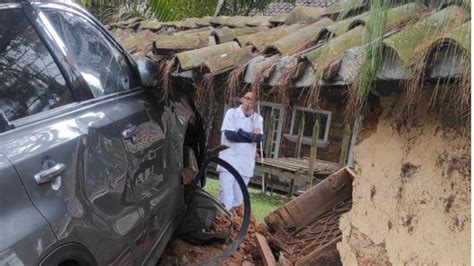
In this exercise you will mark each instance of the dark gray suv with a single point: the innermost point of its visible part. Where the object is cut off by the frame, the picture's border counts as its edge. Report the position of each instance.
(90, 159)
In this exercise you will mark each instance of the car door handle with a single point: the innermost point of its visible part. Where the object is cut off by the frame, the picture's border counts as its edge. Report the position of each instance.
(47, 175)
(129, 133)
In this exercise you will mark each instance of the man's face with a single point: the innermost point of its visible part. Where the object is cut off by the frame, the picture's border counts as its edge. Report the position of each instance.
(248, 102)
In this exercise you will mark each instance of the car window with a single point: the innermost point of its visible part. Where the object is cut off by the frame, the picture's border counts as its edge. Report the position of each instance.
(103, 67)
(30, 80)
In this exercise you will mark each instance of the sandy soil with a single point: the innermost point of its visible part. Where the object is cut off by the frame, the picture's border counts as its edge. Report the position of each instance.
(411, 200)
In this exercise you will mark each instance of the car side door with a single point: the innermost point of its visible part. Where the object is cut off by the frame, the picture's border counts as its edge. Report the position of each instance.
(140, 117)
(20, 222)
(68, 153)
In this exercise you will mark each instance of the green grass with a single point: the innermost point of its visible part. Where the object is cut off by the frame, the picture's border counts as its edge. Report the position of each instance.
(261, 204)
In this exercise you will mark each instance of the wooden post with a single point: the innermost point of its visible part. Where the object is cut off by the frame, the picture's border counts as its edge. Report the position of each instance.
(345, 145)
(299, 140)
(268, 149)
(312, 155)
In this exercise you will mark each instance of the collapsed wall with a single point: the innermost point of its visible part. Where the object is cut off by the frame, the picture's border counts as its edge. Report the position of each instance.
(411, 200)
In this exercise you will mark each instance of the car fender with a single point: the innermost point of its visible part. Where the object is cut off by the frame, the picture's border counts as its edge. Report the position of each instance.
(69, 252)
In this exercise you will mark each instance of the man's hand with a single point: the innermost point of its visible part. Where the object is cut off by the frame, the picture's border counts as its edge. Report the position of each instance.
(257, 131)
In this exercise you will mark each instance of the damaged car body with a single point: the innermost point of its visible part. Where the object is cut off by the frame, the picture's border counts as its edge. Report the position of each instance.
(91, 154)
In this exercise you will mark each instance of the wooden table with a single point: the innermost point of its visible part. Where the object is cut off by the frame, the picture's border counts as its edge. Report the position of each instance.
(294, 168)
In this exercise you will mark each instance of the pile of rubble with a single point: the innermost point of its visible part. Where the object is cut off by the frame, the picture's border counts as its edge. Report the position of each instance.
(179, 252)
(305, 231)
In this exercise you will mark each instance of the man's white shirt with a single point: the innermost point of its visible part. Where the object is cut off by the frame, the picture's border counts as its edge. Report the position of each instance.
(240, 155)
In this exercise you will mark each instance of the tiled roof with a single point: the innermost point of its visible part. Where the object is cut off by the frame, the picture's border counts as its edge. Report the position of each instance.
(277, 7)
(308, 41)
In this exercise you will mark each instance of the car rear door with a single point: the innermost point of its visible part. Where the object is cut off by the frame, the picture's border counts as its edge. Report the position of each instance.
(143, 120)
(68, 153)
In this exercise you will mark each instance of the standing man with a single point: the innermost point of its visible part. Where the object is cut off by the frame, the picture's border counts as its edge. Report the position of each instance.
(241, 131)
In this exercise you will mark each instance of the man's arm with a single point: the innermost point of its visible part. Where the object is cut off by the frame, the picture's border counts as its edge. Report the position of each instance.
(235, 137)
(250, 136)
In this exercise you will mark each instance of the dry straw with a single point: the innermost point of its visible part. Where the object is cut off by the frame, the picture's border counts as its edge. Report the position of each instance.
(262, 74)
(233, 83)
(167, 66)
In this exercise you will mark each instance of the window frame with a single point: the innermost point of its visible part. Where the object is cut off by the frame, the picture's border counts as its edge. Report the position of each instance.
(30, 16)
(77, 10)
(307, 140)
(280, 126)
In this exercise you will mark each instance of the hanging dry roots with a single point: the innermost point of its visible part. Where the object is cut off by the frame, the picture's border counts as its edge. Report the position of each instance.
(167, 67)
(261, 75)
(453, 97)
(233, 82)
(204, 90)
(354, 105)
(281, 91)
(462, 94)
(414, 89)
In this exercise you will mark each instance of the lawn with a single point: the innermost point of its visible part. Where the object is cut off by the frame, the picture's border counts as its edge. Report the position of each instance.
(261, 204)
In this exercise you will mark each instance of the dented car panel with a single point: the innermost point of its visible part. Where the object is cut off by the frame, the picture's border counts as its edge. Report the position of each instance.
(102, 173)
(92, 201)
(25, 234)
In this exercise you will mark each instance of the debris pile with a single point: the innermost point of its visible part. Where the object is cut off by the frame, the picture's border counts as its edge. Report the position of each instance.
(313, 243)
(306, 230)
(179, 252)
(303, 232)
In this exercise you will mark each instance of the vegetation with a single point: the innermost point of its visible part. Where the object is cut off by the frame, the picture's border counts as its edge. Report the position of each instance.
(372, 58)
(170, 10)
(261, 204)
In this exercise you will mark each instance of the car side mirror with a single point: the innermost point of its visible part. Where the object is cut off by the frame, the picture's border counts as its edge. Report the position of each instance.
(148, 72)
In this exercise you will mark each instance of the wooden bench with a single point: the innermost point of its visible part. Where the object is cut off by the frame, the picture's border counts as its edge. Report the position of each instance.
(296, 169)
(302, 169)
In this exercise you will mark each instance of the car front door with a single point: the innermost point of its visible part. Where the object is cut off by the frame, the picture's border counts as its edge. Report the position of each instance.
(68, 153)
(142, 120)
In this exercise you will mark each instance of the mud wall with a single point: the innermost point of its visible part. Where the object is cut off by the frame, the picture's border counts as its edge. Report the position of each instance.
(411, 199)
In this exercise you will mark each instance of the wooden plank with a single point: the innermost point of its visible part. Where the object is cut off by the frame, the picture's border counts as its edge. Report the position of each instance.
(306, 160)
(299, 140)
(264, 183)
(293, 163)
(283, 165)
(302, 170)
(278, 172)
(265, 251)
(288, 166)
(345, 145)
(303, 165)
(291, 189)
(312, 156)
